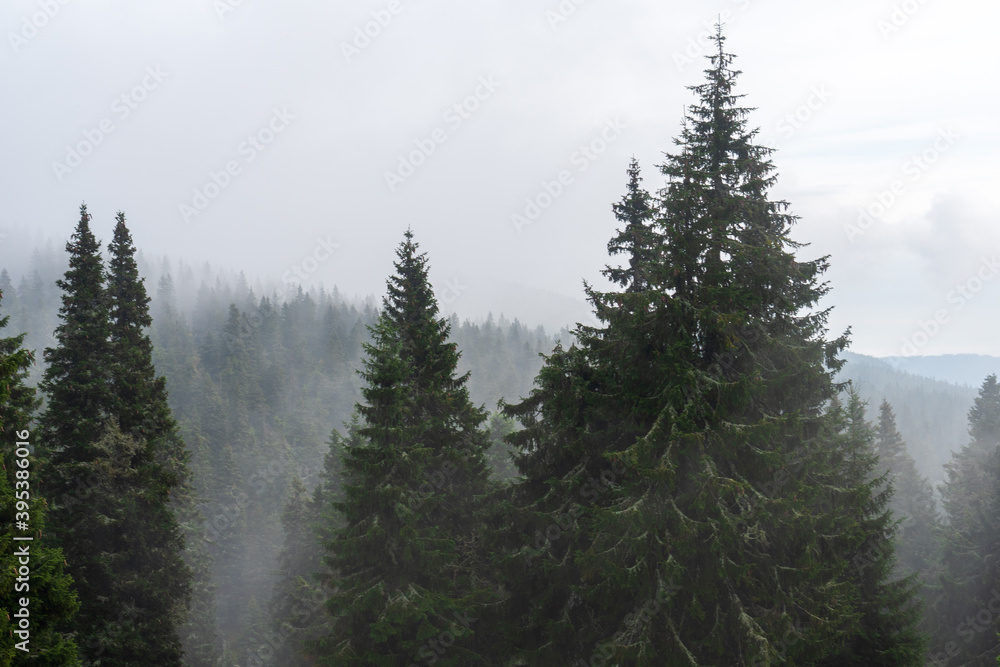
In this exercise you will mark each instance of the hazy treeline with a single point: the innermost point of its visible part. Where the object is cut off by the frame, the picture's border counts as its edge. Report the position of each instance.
(257, 385)
(689, 481)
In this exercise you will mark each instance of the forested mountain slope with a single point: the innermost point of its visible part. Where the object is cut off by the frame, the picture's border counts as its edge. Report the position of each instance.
(257, 384)
(932, 415)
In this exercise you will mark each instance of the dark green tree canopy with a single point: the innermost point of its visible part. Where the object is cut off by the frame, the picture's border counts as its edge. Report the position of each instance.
(52, 598)
(114, 457)
(77, 378)
(684, 452)
(415, 473)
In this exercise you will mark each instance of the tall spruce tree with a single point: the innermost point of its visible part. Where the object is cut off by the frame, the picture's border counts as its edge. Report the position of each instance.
(141, 409)
(887, 604)
(966, 607)
(913, 501)
(406, 558)
(679, 461)
(52, 601)
(114, 459)
(577, 409)
(77, 378)
(77, 383)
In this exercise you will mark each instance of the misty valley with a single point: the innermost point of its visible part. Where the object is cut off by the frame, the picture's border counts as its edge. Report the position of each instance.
(210, 467)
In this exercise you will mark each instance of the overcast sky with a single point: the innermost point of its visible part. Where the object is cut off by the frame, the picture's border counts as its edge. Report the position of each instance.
(279, 138)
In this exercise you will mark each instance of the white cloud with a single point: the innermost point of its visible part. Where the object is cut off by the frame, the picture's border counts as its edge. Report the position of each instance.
(326, 175)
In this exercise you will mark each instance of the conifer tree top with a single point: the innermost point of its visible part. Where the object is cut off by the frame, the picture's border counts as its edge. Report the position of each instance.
(132, 301)
(890, 441)
(984, 417)
(76, 379)
(410, 295)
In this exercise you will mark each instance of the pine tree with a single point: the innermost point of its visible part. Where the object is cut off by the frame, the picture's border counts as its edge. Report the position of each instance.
(52, 599)
(77, 378)
(886, 604)
(913, 500)
(405, 560)
(637, 238)
(678, 460)
(114, 458)
(967, 602)
(77, 382)
(140, 397)
(499, 455)
(142, 411)
(174, 354)
(296, 608)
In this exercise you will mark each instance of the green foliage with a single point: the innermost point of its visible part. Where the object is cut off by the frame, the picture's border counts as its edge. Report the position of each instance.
(913, 505)
(967, 599)
(414, 474)
(680, 472)
(887, 608)
(115, 457)
(500, 454)
(77, 380)
(296, 613)
(637, 239)
(682, 486)
(52, 601)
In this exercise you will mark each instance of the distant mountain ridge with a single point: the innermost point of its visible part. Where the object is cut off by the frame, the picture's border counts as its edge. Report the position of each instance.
(960, 369)
(931, 408)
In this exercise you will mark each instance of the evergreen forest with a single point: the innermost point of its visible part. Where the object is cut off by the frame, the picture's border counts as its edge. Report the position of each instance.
(208, 472)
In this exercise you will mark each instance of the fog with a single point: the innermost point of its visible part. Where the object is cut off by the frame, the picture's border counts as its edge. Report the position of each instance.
(256, 136)
(270, 464)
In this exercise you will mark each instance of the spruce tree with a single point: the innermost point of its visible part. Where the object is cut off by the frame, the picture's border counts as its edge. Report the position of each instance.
(967, 601)
(114, 459)
(886, 604)
(405, 559)
(296, 610)
(913, 502)
(77, 378)
(637, 238)
(52, 600)
(142, 411)
(77, 383)
(500, 453)
(678, 460)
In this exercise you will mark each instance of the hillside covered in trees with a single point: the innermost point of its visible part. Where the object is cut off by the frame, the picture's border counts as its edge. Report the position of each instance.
(226, 475)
